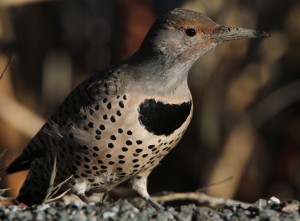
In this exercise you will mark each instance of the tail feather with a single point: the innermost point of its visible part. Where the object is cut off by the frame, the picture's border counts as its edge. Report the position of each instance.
(34, 150)
(19, 164)
(36, 185)
(30, 197)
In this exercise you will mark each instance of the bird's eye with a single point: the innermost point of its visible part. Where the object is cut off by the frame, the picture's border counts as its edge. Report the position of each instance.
(190, 32)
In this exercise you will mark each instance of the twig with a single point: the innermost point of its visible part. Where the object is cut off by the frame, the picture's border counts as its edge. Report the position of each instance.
(7, 65)
(214, 184)
(201, 198)
(58, 197)
(53, 190)
(3, 153)
(2, 191)
(52, 179)
(59, 186)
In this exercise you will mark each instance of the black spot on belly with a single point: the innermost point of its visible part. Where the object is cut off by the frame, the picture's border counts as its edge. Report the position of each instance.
(162, 119)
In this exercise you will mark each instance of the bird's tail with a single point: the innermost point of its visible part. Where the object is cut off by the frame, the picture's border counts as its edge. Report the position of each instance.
(36, 185)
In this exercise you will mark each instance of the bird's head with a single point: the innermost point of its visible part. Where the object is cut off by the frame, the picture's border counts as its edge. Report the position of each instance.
(175, 41)
(185, 35)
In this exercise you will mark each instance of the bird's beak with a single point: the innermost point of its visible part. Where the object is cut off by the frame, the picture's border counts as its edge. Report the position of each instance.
(221, 34)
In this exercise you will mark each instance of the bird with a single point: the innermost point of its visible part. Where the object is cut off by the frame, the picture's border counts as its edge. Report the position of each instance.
(117, 125)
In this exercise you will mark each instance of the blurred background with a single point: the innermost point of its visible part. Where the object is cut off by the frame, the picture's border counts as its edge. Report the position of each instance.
(246, 93)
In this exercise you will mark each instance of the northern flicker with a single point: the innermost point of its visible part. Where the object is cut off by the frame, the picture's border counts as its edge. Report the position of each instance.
(117, 125)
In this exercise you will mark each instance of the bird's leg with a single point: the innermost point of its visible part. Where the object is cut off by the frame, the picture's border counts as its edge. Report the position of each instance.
(155, 204)
(83, 197)
(105, 195)
(139, 185)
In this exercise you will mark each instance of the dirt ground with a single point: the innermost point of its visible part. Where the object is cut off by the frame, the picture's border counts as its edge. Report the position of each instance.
(272, 209)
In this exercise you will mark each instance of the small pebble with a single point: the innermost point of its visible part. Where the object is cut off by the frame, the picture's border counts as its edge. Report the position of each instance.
(273, 199)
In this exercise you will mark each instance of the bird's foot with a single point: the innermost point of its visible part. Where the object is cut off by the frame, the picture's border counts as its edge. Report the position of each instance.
(84, 198)
(155, 204)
